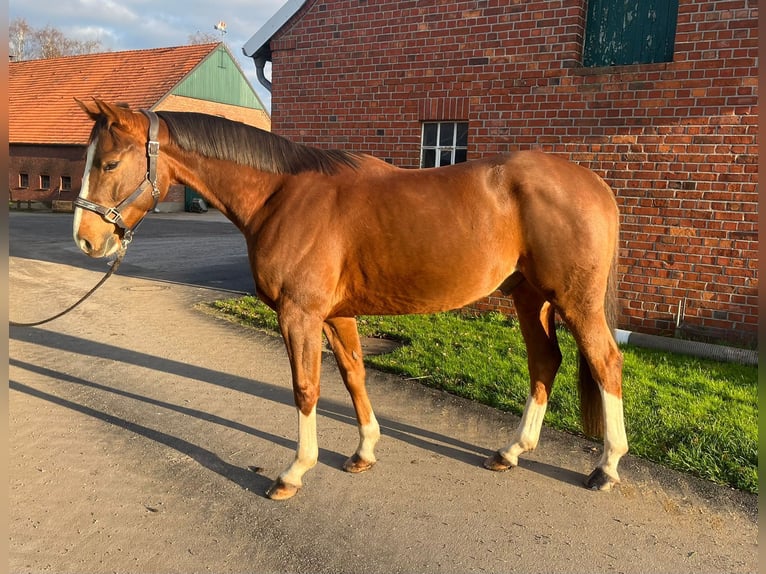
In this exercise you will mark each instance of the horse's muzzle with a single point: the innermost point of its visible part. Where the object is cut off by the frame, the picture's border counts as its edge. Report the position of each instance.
(103, 246)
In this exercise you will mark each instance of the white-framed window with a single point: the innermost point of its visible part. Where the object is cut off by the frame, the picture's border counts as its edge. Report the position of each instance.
(443, 143)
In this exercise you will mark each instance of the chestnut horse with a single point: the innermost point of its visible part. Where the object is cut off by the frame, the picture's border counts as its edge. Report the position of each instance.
(333, 234)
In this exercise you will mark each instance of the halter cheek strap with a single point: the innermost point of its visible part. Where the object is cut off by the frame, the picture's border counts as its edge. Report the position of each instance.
(113, 214)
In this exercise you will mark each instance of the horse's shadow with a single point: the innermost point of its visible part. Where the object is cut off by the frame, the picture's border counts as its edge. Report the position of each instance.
(245, 479)
(437, 443)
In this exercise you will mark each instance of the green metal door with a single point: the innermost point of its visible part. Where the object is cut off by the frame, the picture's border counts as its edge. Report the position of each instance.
(620, 32)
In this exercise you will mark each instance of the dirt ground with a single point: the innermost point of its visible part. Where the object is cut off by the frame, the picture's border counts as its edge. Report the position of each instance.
(135, 419)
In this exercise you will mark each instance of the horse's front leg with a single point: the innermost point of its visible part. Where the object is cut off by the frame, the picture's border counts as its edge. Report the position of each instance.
(343, 336)
(303, 339)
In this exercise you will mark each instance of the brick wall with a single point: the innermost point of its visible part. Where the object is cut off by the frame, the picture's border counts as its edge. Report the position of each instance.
(53, 161)
(676, 141)
(58, 161)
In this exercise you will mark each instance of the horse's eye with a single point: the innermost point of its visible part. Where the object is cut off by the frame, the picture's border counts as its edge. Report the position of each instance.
(112, 165)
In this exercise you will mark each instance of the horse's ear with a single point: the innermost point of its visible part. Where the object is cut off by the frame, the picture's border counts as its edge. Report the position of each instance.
(114, 114)
(89, 108)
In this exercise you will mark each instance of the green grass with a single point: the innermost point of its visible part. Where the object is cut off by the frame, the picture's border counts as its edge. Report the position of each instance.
(694, 415)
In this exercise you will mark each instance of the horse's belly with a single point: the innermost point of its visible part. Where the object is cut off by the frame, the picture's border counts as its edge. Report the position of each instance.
(422, 292)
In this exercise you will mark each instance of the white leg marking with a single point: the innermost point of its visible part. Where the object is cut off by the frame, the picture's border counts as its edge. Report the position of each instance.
(368, 438)
(84, 188)
(308, 449)
(527, 434)
(615, 439)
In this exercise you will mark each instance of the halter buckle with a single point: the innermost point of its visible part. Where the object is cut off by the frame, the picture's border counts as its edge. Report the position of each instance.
(153, 148)
(112, 215)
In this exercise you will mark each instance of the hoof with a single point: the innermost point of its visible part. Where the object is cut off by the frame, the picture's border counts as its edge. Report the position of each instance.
(498, 463)
(280, 490)
(356, 464)
(599, 480)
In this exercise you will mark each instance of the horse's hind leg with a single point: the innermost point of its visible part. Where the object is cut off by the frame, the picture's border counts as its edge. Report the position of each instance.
(536, 319)
(600, 392)
(343, 336)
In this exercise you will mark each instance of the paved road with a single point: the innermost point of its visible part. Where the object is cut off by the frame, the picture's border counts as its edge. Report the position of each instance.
(196, 249)
(134, 419)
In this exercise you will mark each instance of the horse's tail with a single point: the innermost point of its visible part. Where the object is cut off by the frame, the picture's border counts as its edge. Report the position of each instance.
(591, 407)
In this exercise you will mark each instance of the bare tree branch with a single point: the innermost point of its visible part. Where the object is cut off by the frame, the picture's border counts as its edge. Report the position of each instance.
(28, 43)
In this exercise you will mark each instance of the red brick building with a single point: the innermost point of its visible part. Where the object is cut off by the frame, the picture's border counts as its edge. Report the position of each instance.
(662, 105)
(48, 132)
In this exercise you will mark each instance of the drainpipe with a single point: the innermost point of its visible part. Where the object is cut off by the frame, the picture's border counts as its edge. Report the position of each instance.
(684, 347)
(260, 63)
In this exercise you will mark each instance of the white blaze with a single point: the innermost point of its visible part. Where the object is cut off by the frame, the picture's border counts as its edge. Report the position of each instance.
(84, 188)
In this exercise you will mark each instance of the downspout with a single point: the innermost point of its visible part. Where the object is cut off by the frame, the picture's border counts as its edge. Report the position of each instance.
(685, 347)
(258, 46)
(260, 64)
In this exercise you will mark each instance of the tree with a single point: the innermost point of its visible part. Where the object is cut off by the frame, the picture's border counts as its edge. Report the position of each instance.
(28, 43)
(52, 43)
(203, 38)
(19, 37)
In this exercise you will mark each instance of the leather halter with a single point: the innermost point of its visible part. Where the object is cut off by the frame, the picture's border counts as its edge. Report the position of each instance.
(113, 214)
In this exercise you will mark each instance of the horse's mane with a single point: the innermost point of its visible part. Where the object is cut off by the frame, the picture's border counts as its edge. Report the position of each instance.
(217, 137)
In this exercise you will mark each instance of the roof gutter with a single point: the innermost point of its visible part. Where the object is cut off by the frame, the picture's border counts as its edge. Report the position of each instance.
(258, 48)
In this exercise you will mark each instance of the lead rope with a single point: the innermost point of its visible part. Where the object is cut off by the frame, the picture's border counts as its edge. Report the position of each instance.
(108, 274)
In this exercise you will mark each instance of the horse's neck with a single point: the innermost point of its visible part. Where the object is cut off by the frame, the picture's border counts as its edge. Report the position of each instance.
(237, 191)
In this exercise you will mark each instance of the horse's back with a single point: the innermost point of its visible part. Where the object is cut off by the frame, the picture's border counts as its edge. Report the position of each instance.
(512, 176)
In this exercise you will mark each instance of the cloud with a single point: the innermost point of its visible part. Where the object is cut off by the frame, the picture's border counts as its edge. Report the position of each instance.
(107, 11)
(104, 35)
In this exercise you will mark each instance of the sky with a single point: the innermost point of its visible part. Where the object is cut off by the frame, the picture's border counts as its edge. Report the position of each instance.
(140, 24)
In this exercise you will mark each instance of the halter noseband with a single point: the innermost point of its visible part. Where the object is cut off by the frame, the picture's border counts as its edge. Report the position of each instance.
(113, 214)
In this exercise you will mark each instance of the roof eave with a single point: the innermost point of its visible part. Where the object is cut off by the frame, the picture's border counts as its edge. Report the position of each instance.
(258, 44)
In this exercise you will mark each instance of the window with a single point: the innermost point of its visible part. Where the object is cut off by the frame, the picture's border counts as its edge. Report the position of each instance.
(444, 143)
(66, 183)
(24, 180)
(629, 32)
(45, 182)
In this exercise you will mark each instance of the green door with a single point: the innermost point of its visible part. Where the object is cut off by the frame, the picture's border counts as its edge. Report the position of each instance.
(621, 32)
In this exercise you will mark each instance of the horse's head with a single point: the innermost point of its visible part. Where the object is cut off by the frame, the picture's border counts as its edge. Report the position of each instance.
(118, 189)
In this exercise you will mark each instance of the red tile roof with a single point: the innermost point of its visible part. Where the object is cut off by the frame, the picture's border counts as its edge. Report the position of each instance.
(41, 106)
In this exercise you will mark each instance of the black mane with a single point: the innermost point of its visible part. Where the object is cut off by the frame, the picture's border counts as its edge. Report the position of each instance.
(216, 137)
